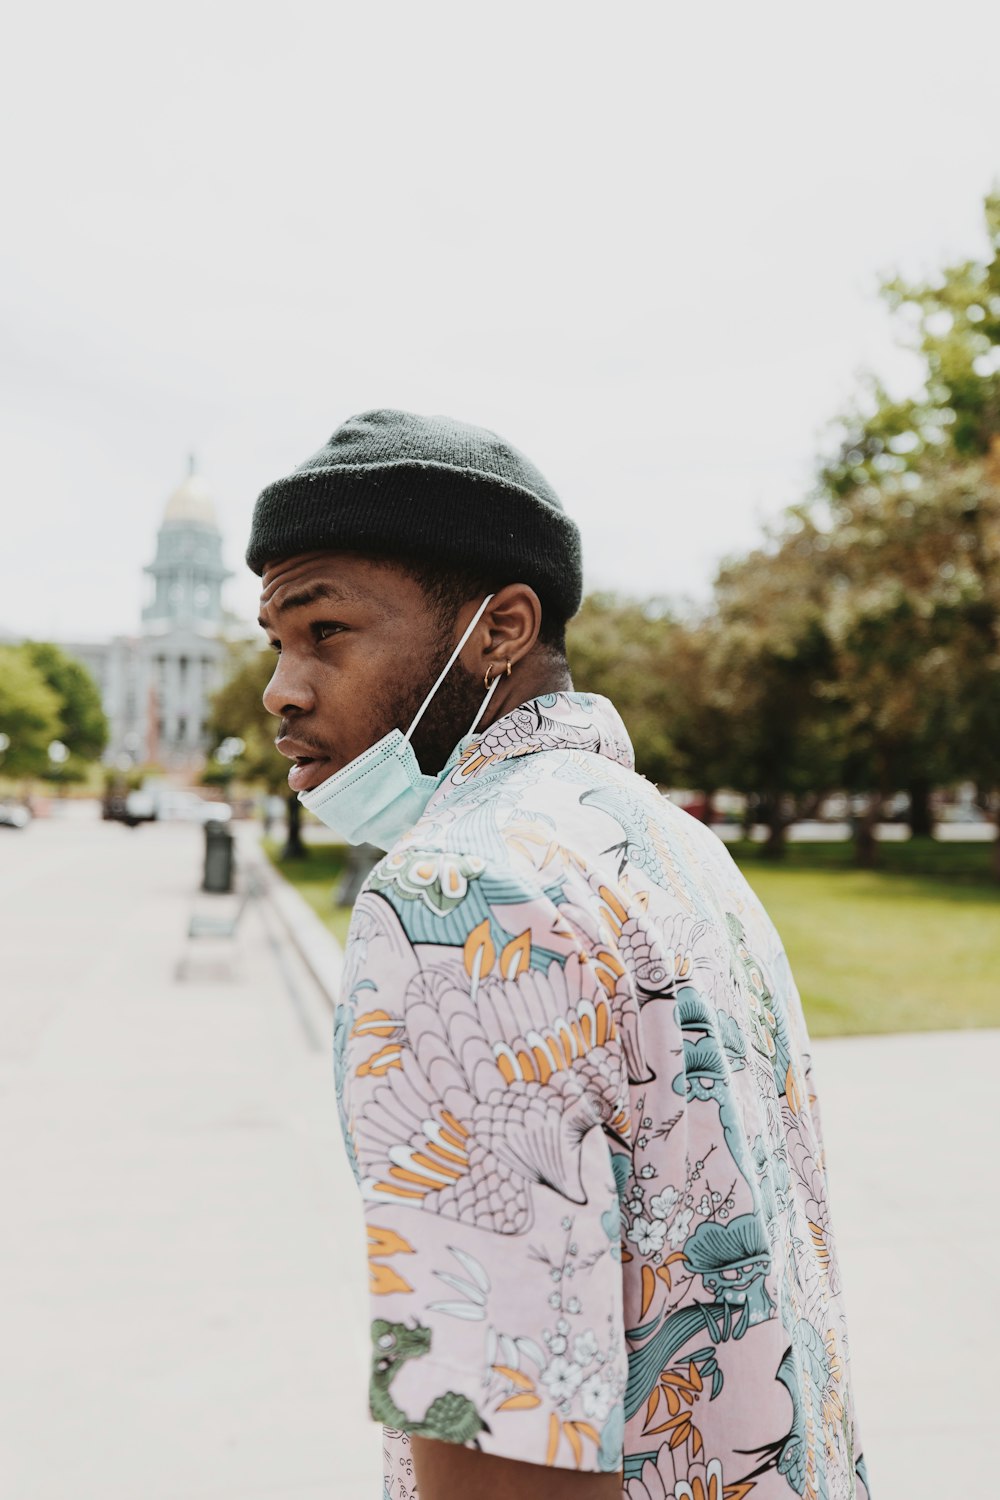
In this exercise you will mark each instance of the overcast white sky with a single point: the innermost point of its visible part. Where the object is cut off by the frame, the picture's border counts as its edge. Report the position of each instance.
(641, 241)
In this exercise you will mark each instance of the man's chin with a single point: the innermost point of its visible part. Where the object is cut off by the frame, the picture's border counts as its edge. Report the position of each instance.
(307, 775)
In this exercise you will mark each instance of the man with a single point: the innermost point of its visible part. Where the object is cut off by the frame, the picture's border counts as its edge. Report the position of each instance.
(570, 1056)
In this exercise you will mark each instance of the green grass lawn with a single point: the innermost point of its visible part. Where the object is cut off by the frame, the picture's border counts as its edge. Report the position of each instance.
(913, 946)
(878, 952)
(316, 879)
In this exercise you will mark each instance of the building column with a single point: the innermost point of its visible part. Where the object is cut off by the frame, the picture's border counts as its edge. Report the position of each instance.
(172, 708)
(195, 694)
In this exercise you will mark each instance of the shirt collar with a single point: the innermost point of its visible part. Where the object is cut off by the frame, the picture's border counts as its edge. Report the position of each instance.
(554, 721)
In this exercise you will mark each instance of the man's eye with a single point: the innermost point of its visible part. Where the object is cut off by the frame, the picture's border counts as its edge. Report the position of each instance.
(325, 629)
(274, 646)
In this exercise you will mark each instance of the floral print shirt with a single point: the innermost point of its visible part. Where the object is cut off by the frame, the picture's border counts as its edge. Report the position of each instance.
(575, 1089)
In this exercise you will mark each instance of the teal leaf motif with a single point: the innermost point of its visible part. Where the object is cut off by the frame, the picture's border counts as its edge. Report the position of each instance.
(609, 1453)
(436, 878)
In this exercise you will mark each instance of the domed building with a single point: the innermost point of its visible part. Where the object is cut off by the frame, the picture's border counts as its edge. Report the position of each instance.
(156, 687)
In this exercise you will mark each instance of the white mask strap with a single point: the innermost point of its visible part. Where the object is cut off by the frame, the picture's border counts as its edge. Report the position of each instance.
(453, 658)
(485, 703)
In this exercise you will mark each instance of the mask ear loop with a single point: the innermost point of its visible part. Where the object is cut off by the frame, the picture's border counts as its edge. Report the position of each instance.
(485, 703)
(453, 658)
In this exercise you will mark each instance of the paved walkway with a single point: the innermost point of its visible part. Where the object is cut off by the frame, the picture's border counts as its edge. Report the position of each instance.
(182, 1266)
(182, 1263)
(912, 1130)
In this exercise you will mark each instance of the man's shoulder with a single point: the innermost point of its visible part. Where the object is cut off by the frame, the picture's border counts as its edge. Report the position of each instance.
(563, 778)
(581, 800)
(525, 826)
(455, 865)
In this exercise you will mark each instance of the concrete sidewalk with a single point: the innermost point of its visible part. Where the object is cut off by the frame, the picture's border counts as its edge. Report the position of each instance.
(183, 1263)
(912, 1131)
(182, 1266)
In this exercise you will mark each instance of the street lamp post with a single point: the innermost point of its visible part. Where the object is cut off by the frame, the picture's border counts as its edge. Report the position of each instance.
(230, 750)
(58, 756)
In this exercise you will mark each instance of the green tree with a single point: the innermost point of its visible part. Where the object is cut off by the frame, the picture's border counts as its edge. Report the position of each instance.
(773, 728)
(913, 614)
(238, 711)
(29, 714)
(699, 716)
(970, 581)
(621, 648)
(911, 491)
(83, 727)
(952, 323)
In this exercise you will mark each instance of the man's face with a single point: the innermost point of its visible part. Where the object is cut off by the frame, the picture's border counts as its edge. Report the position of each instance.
(360, 646)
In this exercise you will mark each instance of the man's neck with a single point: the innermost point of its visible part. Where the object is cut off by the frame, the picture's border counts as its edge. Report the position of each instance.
(526, 682)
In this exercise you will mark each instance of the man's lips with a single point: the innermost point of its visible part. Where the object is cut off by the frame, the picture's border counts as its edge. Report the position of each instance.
(311, 765)
(307, 774)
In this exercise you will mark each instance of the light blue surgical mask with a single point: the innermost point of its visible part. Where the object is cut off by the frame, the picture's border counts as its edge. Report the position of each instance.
(378, 796)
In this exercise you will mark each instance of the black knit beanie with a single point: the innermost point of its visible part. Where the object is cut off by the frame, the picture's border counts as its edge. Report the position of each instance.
(390, 483)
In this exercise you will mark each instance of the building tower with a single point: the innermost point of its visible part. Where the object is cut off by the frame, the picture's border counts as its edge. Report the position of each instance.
(182, 648)
(156, 687)
(188, 566)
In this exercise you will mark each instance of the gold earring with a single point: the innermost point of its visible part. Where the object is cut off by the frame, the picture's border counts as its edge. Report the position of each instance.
(489, 669)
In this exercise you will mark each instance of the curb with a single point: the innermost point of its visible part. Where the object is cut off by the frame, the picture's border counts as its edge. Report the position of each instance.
(312, 939)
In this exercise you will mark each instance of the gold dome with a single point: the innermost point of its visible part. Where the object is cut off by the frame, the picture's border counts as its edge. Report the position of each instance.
(192, 501)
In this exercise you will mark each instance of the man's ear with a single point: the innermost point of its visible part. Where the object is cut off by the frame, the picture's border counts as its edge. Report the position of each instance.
(507, 631)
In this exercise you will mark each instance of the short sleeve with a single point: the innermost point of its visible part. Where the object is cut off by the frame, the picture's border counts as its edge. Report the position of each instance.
(481, 1084)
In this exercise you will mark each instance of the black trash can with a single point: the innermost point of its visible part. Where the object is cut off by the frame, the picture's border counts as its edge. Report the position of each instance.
(219, 860)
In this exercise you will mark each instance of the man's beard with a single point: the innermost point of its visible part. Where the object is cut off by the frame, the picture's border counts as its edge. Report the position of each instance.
(449, 713)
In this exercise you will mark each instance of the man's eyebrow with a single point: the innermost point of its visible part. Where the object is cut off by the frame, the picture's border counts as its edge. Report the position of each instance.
(308, 596)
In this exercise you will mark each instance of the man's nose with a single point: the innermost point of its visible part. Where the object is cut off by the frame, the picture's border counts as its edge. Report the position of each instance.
(289, 691)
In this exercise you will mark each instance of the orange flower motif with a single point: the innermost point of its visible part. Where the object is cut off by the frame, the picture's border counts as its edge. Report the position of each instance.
(709, 1485)
(383, 1279)
(673, 1478)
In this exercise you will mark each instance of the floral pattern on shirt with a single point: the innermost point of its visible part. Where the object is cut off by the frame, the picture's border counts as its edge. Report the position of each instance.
(575, 1088)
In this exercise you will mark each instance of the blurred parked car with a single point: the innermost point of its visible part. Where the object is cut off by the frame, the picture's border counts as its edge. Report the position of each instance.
(164, 804)
(963, 813)
(173, 806)
(14, 815)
